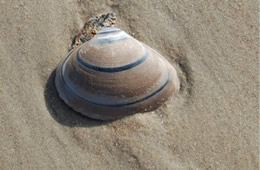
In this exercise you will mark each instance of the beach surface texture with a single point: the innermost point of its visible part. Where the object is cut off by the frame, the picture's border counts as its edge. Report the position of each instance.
(212, 123)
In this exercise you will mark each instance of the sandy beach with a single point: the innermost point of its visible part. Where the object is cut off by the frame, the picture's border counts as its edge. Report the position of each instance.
(212, 123)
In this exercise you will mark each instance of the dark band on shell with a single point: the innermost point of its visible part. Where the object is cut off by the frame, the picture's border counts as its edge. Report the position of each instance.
(114, 75)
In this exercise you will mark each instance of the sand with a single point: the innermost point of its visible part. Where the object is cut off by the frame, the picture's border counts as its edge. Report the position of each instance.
(212, 123)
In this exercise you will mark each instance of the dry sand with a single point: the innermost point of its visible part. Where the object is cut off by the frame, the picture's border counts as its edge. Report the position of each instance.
(211, 124)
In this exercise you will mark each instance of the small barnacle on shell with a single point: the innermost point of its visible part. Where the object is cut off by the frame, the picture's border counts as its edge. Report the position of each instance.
(92, 27)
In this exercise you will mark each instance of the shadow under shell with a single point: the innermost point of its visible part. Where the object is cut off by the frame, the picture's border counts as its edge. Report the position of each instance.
(61, 112)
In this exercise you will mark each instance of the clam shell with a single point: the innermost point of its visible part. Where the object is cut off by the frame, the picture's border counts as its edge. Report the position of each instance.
(114, 75)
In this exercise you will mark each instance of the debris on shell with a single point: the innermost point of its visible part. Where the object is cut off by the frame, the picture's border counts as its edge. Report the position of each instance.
(92, 27)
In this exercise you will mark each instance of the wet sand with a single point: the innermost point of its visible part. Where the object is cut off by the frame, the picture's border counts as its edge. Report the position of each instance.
(212, 123)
